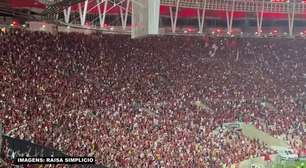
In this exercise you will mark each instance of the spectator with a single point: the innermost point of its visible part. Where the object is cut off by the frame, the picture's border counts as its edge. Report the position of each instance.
(130, 103)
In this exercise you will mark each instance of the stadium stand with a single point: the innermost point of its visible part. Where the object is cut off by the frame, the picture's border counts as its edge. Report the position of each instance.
(131, 103)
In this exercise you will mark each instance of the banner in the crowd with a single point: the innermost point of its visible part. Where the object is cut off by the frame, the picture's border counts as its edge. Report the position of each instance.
(235, 125)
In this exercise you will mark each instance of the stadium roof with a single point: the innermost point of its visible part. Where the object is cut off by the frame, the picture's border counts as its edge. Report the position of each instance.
(115, 10)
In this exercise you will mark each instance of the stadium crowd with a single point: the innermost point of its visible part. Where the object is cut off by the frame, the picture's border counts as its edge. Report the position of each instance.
(153, 102)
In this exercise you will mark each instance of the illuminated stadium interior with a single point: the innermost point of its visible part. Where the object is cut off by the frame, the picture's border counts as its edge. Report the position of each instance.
(221, 85)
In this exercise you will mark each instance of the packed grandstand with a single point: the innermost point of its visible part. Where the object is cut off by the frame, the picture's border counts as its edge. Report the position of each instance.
(131, 103)
(215, 100)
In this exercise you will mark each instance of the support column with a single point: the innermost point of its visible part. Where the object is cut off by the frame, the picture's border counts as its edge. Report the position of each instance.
(291, 19)
(259, 17)
(201, 18)
(229, 18)
(104, 12)
(124, 16)
(83, 13)
(67, 14)
(174, 20)
(99, 13)
(80, 11)
(102, 16)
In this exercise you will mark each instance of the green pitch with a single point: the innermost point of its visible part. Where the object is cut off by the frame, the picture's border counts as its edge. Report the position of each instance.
(290, 164)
